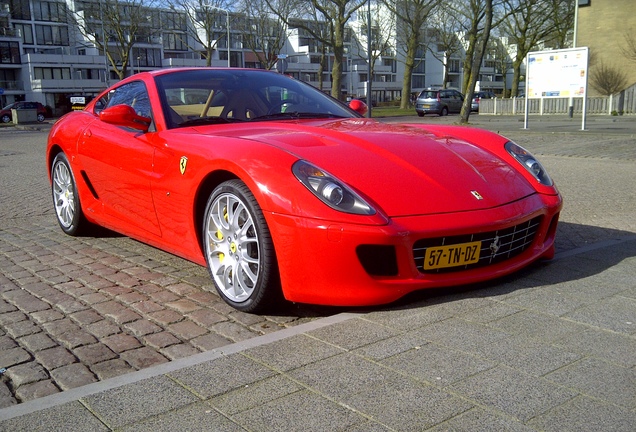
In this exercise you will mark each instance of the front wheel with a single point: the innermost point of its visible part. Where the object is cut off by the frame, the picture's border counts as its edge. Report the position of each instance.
(65, 197)
(239, 250)
(6, 118)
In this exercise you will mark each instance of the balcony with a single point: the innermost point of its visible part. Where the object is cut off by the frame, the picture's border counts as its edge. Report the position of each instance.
(10, 86)
(68, 85)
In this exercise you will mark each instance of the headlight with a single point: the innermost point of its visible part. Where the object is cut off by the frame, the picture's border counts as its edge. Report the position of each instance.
(529, 163)
(330, 190)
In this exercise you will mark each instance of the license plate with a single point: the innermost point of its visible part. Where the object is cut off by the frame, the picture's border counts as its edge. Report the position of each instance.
(452, 255)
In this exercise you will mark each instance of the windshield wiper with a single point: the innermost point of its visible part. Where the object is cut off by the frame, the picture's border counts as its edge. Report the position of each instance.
(208, 120)
(293, 115)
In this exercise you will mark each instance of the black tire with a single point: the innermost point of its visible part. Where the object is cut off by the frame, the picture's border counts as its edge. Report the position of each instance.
(40, 117)
(66, 202)
(6, 118)
(239, 250)
(421, 114)
(443, 112)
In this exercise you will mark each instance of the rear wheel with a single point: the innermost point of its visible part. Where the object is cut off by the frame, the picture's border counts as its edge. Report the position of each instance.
(239, 250)
(5, 118)
(65, 197)
(421, 114)
(444, 112)
(40, 117)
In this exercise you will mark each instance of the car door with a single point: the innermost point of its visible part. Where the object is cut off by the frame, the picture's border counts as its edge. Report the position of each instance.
(457, 101)
(117, 163)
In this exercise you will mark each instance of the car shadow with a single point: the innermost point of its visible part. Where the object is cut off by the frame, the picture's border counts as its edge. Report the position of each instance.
(601, 247)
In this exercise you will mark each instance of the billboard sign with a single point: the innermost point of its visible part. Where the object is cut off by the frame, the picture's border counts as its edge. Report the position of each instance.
(557, 73)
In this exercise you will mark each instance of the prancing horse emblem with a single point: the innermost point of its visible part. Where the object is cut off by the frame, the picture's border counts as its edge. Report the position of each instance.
(182, 164)
(477, 195)
(494, 246)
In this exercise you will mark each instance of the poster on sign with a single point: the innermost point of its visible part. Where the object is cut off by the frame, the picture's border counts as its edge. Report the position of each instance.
(557, 74)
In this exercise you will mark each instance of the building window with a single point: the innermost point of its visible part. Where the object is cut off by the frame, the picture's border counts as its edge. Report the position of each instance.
(49, 11)
(418, 81)
(20, 9)
(51, 35)
(26, 32)
(52, 73)
(9, 53)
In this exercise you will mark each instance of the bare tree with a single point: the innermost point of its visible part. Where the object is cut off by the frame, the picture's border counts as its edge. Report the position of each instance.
(607, 79)
(561, 22)
(629, 49)
(412, 16)
(114, 26)
(481, 24)
(334, 14)
(206, 26)
(263, 32)
(528, 23)
(445, 43)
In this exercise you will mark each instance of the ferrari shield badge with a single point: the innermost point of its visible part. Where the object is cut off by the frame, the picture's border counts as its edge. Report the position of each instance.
(182, 164)
(475, 194)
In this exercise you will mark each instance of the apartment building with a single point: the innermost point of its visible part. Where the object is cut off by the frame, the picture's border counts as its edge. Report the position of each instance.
(49, 57)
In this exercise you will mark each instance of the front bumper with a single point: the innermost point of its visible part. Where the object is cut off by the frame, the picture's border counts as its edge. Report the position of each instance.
(320, 263)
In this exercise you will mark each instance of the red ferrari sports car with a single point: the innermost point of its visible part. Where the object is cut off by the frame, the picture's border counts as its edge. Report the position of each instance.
(284, 192)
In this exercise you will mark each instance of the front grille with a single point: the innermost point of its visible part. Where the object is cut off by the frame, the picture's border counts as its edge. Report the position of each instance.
(496, 246)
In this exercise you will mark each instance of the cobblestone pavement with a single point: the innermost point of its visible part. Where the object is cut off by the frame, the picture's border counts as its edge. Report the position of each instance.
(78, 310)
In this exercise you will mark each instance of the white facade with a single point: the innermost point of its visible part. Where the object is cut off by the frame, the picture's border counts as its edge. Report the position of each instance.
(46, 59)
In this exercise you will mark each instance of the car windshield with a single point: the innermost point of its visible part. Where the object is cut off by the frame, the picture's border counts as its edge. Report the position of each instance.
(11, 105)
(211, 96)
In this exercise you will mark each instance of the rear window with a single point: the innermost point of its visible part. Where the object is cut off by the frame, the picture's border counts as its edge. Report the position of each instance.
(428, 94)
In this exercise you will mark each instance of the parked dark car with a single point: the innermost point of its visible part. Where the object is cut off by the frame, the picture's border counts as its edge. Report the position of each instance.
(478, 96)
(439, 102)
(5, 113)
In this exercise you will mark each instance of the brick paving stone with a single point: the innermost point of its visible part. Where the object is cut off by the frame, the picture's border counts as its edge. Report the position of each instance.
(46, 316)
(12, 317)
(7, 343)
(245, 318)
(6, 307)
(118, 312)
(55, 357)
(131, 297)
(181, 288)
(86, 317)
(111, 369)
(114, 290)
(187, 329)
(22, 328)
(102, 328)
(94, 298)
(95, 353)
(206, 317)
(161, 340)
(148, 288)
(37, 342)
(123, 279)
(14, 356)
(178, 351)
(72, 376)
(210, 341)
(233, 331)
(142, 327)
(163, 297)
(121, 342)
(36, 390)
(143, 357)
(147, 306)
(26, 301)
(166, 317)
(183, 306)
(6, 397)
(70, 306)
(26, 373)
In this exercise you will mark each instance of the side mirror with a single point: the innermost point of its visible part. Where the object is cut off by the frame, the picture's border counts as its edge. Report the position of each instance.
(125, 115)
(358, 106)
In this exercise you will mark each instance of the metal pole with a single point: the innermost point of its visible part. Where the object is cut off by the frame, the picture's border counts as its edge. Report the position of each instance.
(227, 13)
(369, 77)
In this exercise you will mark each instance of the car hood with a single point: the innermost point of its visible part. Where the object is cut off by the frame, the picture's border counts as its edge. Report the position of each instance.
(402, 169)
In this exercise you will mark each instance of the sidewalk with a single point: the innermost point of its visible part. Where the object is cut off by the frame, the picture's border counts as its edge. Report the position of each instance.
(519, 355)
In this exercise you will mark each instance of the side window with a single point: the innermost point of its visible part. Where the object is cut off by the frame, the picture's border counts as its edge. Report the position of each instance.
(133, 94)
